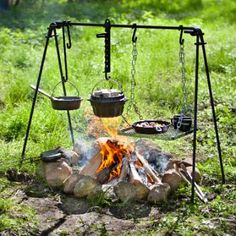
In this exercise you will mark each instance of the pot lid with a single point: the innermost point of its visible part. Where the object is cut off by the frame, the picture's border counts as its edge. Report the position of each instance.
(107, 94)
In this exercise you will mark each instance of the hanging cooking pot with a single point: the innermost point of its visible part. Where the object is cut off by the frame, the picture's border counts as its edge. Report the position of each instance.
(62, 102)
(107, 102)
(182, 122)
(151, 126)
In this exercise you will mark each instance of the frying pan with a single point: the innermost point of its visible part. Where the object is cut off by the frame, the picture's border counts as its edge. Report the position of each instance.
(62, 102)
(151, 126)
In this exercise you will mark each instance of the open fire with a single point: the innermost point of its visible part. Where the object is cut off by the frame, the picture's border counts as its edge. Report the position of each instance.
(112, 154)
(137, 170)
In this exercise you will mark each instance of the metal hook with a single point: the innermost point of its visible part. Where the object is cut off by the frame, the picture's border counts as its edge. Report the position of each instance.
(181, 40)
(107, 77)
(68, 45)
(134, 37)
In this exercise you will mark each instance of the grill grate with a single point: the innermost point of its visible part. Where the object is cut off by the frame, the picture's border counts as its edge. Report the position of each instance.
(171, 133)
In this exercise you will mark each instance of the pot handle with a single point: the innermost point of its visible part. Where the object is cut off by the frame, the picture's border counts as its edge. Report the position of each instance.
(110, 80)
(53, 90)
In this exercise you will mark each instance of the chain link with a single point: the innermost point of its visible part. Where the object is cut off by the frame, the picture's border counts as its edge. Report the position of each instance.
(183, 77)
(133, 82)
(184, 88)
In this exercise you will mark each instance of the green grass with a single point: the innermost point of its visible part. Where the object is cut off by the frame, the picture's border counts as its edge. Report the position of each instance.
(15, 216)
(158, 91)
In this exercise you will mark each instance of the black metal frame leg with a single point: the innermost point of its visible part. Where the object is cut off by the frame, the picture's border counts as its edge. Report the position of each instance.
(49, 35)
(63, 83)
(195, 117)
(212, 107)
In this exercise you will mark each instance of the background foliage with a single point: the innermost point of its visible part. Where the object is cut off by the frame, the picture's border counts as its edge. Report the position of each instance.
(158, 92)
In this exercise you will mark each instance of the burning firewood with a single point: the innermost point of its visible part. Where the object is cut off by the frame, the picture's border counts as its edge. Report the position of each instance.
(134, 176)
(148, 169)
(125, 171)
(91, 167)
(105, 174)
(112, 155)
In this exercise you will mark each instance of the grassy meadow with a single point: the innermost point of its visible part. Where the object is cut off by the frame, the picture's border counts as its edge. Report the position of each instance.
(158, 91)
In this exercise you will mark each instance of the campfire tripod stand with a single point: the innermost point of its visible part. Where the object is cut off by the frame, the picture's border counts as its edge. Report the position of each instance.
(193, 31)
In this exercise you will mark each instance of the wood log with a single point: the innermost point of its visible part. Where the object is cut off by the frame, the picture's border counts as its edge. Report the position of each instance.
(141, 191)
(186, 165)
(145, 178)
(159, 193)
(148, 169)
(87, 186)
(188, 179)
(186, 162)
(134, 176)
(108, 189)
(57, 172)
(90, 168)
(197, 173)
(125, 171)
(70, 183)
(103, 175)
(173, 178)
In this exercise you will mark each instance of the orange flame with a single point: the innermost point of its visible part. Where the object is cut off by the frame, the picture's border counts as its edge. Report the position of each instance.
(112, 154)
(98, 127)
(111, 126)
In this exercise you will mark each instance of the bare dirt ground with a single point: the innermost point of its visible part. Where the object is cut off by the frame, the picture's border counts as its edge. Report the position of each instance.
(58, 214)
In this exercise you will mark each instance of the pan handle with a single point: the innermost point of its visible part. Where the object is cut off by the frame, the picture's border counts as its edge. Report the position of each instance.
(42, 92)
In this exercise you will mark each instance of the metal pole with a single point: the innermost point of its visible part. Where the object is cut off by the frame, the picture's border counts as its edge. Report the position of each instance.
(212, 107)
(63, 83)
(65, 56)
(195, 116)
(129, 26)
(49, 35)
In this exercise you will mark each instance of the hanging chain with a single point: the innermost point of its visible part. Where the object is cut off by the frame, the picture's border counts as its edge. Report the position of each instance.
(184, 89)
(133, 81)
(133, 84)
(133, 70)
(183, 77)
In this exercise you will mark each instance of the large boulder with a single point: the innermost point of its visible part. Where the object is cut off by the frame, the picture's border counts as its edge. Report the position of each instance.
(173, 178)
